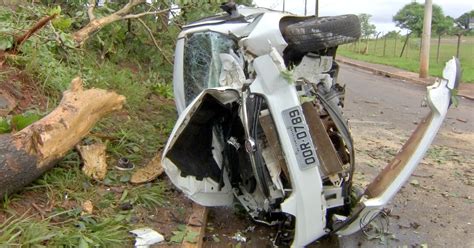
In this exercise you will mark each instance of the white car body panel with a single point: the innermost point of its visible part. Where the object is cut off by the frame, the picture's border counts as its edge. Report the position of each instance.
(306, 205)
(205, 192)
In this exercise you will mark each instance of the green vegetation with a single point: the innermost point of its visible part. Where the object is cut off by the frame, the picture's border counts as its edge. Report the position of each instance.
(410, 59)
(120, 57)
(411, 17)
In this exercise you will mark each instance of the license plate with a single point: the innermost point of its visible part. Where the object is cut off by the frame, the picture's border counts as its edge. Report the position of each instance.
(300, 138)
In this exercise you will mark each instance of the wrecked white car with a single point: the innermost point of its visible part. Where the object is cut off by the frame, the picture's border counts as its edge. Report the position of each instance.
(261, 122)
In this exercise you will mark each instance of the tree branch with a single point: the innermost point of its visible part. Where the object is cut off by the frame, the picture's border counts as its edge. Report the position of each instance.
(81, 35)
(90, 10)
(134, 16)
(154, 40)
(40, 24)
(129, 7)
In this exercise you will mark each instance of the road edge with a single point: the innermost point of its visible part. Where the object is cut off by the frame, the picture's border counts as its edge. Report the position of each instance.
(385, 73)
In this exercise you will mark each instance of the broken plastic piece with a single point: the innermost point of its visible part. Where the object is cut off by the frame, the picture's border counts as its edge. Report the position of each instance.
(144, 237)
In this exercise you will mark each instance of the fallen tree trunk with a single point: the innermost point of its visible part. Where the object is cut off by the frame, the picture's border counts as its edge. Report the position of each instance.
(26, 155)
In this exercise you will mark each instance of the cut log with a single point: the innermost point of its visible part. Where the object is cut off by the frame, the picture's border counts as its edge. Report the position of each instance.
(26, 155)
(95, 160)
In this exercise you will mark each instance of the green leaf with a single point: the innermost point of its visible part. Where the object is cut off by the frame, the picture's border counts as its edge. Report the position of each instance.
(124, 195)
(6, 42)
(287, 75)
(19, 122)
(454, 97)
(62, 23)
(125, 178)
(55, 10)
(178, 237)
(182, 227)
(4, 126)
(191, 237)
(83, 243)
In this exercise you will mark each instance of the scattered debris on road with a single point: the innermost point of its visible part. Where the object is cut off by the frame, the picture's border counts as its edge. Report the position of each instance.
(145, 237)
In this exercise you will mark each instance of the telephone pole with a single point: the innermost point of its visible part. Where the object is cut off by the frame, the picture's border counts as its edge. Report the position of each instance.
(316, 8)
(305, 6)
(426, 40)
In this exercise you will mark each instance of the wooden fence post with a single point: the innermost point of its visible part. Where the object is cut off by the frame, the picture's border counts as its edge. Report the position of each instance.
(376, 39)
(437, 50)
(459, 44)
(395, 47)
(384, 45)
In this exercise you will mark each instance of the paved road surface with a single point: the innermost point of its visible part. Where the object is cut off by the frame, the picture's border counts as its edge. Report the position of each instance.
(377, 98)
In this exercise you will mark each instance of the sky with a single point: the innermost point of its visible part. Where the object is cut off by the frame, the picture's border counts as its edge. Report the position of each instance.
(382, 11)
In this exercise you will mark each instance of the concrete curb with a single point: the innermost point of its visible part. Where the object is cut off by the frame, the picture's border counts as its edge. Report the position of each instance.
(398, 76)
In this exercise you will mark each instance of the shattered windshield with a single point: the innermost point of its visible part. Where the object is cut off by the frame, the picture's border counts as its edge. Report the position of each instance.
(202, 64)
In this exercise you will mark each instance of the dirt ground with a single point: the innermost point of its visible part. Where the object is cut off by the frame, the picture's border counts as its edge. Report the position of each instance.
(434, 209)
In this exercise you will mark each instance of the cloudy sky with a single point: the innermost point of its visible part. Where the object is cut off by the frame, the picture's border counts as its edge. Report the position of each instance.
(382, 11)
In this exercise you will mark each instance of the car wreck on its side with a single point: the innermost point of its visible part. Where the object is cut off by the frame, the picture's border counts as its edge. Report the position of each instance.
(261, 122)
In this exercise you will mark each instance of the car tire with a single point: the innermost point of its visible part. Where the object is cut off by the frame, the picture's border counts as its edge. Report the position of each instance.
(316, 33)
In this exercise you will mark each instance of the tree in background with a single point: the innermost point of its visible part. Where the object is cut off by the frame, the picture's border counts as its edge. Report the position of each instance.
(367, 29)
(462, 28)
(443, 27)
(393, 35)
(410, 17)
(463, 20)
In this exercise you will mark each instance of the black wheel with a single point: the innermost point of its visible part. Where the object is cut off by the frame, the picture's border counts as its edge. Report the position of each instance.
(316, 33)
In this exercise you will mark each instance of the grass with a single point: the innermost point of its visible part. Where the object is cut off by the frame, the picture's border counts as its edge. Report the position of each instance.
(66, 224)
(137, 132)
(80, 231)
(410, 59)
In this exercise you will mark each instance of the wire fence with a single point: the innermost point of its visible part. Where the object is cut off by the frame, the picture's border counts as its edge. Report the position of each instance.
(441, 49)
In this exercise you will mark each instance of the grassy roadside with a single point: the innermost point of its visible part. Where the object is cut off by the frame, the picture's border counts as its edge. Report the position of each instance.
(52, 211)
(410, 60)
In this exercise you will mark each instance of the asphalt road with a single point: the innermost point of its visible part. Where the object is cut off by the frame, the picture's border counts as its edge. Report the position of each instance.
(435, 211)
(395, 102)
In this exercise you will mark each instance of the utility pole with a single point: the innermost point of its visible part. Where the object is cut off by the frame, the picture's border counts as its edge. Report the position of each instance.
(283, 5)
(426, 40)
(316, 8)
(305, 6)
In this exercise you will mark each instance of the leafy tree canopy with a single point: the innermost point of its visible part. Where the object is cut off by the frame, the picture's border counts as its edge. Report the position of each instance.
(411, 17)
(444, 26)
(367, 29)
(464, 19)
(393, 34)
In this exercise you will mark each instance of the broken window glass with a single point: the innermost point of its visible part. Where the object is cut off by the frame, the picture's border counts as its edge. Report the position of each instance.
(202, 65)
